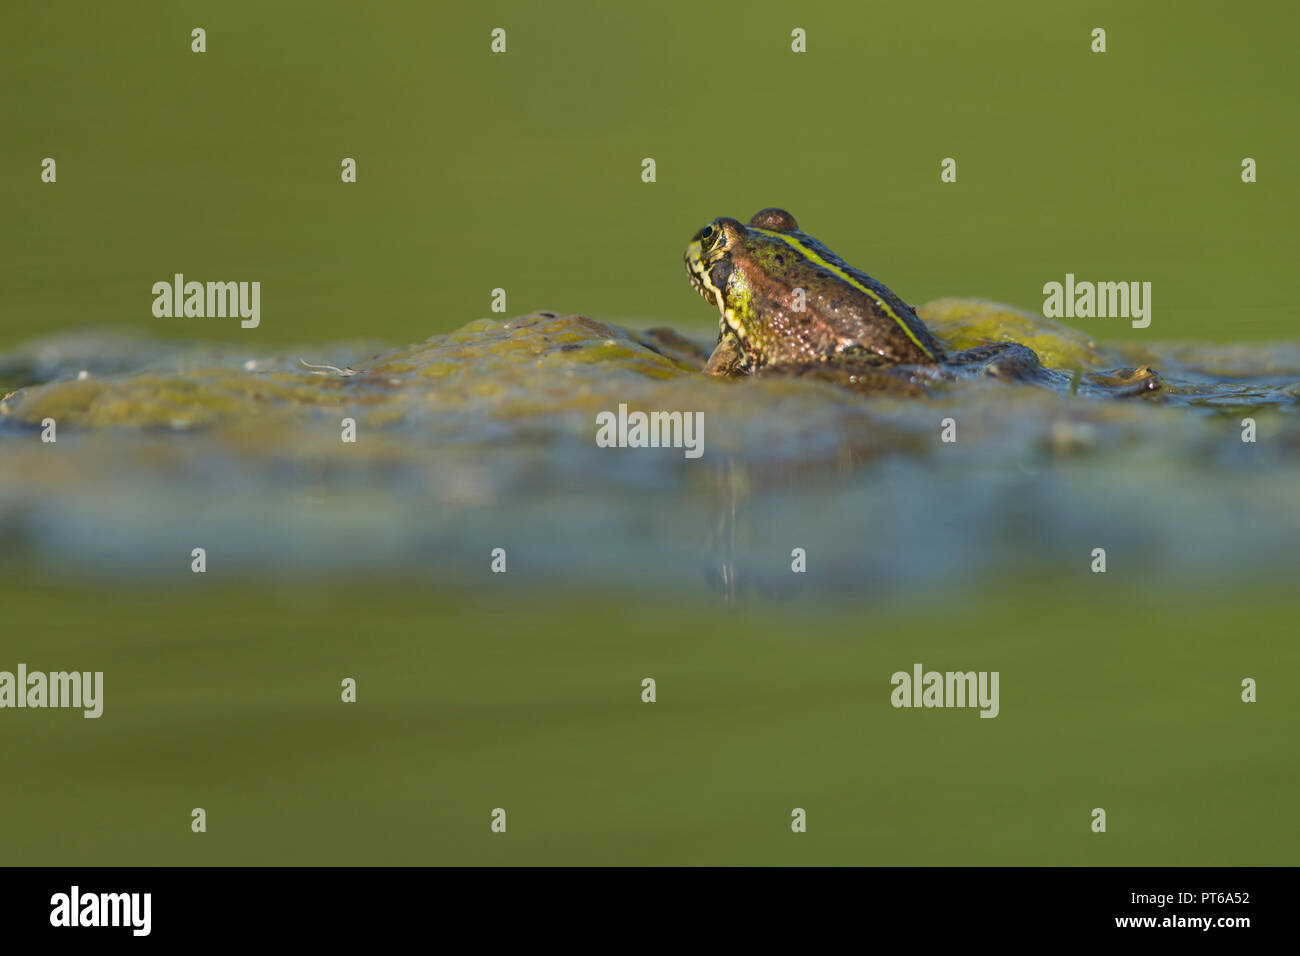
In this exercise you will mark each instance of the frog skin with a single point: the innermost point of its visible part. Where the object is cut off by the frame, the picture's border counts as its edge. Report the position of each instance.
(789, 306)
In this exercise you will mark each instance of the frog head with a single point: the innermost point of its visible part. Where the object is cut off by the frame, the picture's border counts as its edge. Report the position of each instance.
(722, 259)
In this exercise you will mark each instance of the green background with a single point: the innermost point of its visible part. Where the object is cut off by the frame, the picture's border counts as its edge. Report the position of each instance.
(522, 170)
(228, 699)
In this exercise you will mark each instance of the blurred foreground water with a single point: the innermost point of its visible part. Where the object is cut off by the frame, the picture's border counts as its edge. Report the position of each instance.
(485, 438)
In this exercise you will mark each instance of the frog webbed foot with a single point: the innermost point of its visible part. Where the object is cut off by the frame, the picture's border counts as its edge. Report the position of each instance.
(1127, 382)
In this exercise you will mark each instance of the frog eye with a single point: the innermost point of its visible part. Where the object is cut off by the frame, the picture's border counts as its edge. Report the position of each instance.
(708, 236)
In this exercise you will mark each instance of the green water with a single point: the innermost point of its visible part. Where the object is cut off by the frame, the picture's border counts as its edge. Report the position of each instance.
(228, 699)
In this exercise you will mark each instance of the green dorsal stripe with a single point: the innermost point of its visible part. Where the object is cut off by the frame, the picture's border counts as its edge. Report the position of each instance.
(812, 256)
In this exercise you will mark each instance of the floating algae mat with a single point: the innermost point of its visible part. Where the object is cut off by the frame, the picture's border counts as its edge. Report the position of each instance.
(485, 438)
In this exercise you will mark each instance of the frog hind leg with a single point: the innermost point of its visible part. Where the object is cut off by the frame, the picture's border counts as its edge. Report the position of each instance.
(1004, 360)
(1011, 361)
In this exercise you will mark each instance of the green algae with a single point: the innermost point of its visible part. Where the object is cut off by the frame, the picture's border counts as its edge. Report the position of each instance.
(488, 434)
(538, 364)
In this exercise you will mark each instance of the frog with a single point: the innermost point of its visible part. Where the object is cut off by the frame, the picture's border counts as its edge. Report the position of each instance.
(789, 306)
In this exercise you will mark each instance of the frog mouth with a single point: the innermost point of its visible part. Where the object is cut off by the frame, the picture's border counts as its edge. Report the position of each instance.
(693, 273)
(696, 273)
